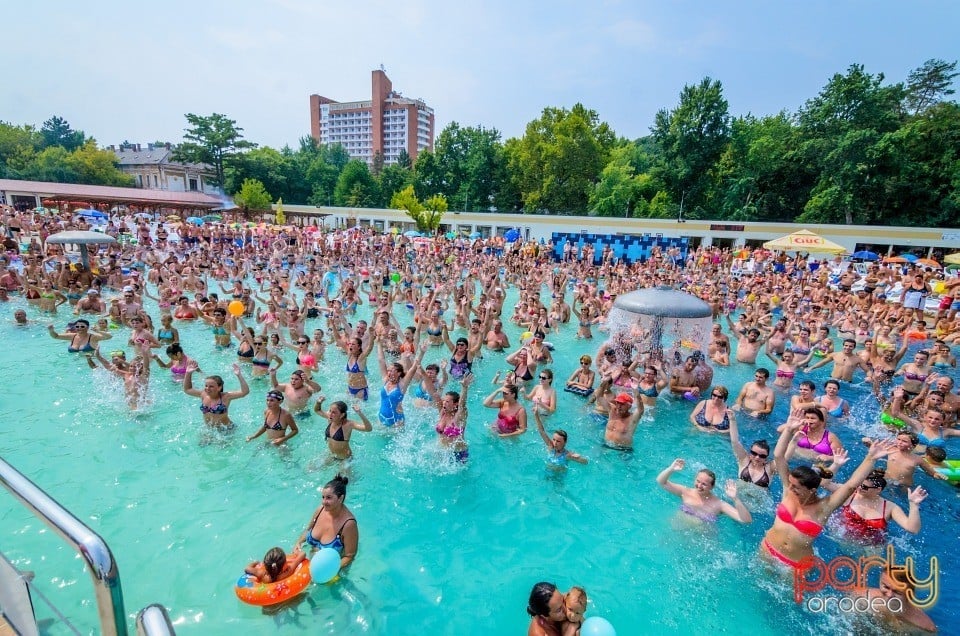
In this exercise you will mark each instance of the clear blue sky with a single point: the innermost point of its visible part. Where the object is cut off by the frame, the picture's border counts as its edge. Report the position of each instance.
(122, 70)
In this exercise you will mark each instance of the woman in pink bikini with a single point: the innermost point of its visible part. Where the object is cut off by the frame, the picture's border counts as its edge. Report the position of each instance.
(802, 513)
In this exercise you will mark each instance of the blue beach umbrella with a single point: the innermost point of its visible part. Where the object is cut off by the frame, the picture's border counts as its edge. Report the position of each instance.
(475, 235)
(512, 235)
(866, 255)
(910, 258)
(196, 220)
(411, 234)
(92, 214)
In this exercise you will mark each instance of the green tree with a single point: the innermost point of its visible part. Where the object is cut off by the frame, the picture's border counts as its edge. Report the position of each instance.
(252, 197)
(18, 145)
(690, 140)
(57, 132)
(617, 191)
(356, 187)
(268, 166)
(559, 159)
(324, 171)
(426, 215)
(465, 168)
(403, 159)
(50, 164)
(760, 175)
(214, 140)
(929, 84)
(91, 164)
(393, 179)
(841, 129)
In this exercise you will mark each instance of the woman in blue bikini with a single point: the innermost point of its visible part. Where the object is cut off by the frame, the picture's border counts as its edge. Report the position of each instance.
(395, 383)
(558, 454)
(333, 525)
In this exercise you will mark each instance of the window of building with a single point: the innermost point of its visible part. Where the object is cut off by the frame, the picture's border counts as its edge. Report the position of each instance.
(484, 230)
(193, 185)
(154, 181)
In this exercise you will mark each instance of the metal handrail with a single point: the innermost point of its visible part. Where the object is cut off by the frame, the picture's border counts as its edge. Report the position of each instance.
(93, 549)
(153, 620)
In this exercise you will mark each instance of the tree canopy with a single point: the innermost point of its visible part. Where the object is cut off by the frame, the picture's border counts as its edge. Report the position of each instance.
(862, 150)
(214, 140)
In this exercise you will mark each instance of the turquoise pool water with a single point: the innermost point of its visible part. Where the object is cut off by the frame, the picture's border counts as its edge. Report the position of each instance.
(444, 548)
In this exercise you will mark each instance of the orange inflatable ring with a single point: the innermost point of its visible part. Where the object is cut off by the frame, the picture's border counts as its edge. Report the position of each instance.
(916, 335)
(253, 592)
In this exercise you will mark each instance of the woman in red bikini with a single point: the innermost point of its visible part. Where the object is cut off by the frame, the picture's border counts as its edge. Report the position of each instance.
(866, 513)
(511, 415)
(802, 513)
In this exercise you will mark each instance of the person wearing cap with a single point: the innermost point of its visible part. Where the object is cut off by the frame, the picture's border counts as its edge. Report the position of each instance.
(91, 303)
(622, 422)
(276, 421)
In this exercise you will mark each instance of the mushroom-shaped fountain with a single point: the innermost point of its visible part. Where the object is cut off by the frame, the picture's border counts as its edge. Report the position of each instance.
(659, 318)
(82, 239)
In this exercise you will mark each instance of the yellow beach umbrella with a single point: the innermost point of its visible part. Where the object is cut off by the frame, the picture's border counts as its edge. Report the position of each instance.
(953, 259)
(805, 241)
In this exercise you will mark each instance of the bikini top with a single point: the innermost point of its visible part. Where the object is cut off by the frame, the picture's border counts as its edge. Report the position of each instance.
(763, 481)
(217, 409)
(336, 436)
(804, 526)
(823, 446)
(276, 426)
(834, 412)
(868, 529)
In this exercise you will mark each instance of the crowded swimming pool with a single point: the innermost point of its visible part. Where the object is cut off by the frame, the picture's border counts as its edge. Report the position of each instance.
(445, 547)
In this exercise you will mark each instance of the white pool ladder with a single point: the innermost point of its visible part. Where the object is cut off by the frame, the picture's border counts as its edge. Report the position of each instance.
(15, 604)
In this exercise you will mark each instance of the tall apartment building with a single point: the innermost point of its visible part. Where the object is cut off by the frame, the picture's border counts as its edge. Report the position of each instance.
(386, 123)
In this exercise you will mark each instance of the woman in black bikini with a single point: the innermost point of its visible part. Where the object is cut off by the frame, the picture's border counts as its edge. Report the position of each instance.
(339, 428)
(752, 466)
(276, 421)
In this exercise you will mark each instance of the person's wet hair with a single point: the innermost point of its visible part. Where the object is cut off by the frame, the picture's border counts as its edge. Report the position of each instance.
(338, 485)
(807, 477)
(539, 602)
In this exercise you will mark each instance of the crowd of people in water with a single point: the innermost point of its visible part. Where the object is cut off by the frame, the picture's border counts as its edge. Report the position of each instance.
(285, 299)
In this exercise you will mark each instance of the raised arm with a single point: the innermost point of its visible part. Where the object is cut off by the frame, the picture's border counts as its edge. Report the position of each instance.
(876, 451)
(735, 444)
(663, 479)
(543, 433)
(738, 511)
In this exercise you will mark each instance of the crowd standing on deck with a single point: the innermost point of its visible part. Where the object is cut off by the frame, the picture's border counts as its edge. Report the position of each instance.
(266, 291)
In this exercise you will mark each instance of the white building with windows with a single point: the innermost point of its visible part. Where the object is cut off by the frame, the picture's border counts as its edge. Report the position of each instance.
(387, 124)
(152, 167)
